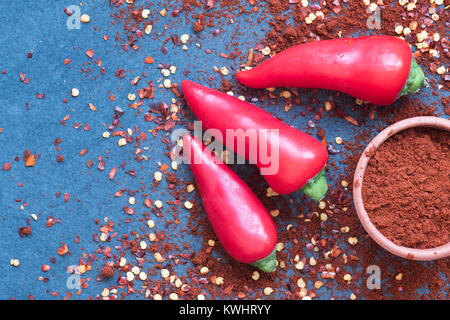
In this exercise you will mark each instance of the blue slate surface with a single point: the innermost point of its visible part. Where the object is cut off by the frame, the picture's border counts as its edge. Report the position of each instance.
(40, 27)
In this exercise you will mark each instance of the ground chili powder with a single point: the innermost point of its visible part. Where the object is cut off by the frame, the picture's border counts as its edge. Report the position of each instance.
(406, 187)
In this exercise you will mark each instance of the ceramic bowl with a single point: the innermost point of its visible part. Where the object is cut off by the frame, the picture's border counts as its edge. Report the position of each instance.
(404, 252)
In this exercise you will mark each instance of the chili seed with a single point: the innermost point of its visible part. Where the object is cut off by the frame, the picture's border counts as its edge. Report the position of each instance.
(301, 283)
(158, 204)
(130, 276)
(158, 176)
(268, 291)
(75, 92)
(184, 38)
(85, 18)
(143, 276)
(219, 281)
(204, 270)
(135, 270)
(148, 29)
(122, 142)
(15, 262)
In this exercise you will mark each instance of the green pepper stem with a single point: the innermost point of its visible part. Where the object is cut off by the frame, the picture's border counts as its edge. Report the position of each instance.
(416, 79)
(267, 264)
(317, 187)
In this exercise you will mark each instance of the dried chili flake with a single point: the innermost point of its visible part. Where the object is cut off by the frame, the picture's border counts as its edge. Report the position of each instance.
(90, 53)
(6, 166)
(24, 231)
(62, 250)
(128, 210)
(351, 120)
(52, 221)
(101, 165)
(23, 78)
(45, 268)
(148, 203)
(199, 25)
(108, 272)
(148, 117)
(131, 172)
(67, 11)
(112, 173)
(31, 161)
(120, 73)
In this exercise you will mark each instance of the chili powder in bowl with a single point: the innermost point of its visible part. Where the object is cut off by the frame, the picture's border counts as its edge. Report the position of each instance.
(401, 188)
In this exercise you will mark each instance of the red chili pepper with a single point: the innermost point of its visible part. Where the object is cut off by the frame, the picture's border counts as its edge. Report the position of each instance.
(376, 69)
(240, 221)
(298, 159)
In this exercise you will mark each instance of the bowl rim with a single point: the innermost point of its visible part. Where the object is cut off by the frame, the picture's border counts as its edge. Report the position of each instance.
(440, 252)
